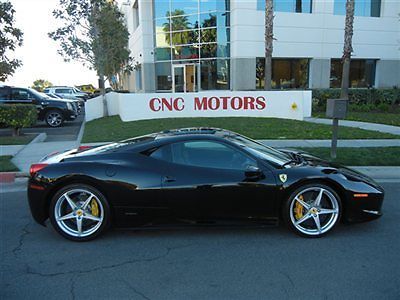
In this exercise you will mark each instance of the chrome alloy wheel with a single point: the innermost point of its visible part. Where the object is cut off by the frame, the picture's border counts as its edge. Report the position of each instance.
(314, 211)
(79, 213)
(54, 119)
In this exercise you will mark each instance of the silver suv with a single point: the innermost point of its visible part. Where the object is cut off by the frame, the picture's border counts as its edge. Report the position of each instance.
(66, 92)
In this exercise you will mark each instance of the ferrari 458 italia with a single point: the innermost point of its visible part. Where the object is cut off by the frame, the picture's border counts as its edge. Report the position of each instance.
(196, 176)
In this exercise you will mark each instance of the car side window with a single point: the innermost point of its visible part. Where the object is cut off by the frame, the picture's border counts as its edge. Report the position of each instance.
(4, 93)
(209, 154)
(21, 94)
(63, 91)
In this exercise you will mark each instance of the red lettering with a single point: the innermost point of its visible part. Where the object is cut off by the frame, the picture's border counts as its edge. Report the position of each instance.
(166, 103)
(249, 102)
(200, 104)
(178, 101)
(152, 104)
(213, 103)
(236, 103)
(261, 103)
(225, 102)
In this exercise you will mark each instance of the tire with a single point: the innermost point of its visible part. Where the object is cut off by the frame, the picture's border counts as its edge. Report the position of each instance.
(73, 205)
(54, 118)
(302, 213)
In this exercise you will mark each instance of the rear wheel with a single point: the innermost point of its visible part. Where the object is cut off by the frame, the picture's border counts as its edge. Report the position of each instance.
(312, 210)
(79, 212)
(54, 118)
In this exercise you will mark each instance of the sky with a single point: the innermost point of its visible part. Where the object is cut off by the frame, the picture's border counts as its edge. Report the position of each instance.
(39, 53)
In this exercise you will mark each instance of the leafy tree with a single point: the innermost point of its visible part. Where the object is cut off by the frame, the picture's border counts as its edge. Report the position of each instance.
(41, 84)
(93, 33)
(10, 38)
(347, 48)
(269, 38)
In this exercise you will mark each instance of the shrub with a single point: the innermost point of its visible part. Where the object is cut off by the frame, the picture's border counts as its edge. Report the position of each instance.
(17, 116)
(363, 100)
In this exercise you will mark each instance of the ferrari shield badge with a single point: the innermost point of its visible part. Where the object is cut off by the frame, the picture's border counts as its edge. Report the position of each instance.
(283, 177)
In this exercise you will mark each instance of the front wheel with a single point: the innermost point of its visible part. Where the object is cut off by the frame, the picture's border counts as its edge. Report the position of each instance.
(79, 212)
(54, 118)
(312, 210)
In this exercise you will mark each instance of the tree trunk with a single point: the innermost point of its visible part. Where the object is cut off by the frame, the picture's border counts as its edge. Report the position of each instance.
(347, 49)
(269, 38)
(103, 94)
(16, 132)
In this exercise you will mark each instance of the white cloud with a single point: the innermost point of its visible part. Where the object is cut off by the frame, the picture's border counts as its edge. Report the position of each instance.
(39, 53)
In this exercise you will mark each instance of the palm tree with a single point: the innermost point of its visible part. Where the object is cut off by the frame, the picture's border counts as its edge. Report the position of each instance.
(347, 49)
(269, 38)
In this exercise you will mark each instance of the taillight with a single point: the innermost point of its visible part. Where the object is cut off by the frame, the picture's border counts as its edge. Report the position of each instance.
(36, 168)
(83, 148)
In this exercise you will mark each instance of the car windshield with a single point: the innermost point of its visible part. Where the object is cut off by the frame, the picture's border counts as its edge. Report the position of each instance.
(38, 94)
(276, 157)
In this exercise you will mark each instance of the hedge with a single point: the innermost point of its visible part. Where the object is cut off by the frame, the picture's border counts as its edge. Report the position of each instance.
(17, 116)
(363, 100)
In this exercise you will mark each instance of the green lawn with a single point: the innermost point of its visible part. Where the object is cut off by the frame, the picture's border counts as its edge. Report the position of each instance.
(16, 140)
(113, 129)
(372, 117)
(6, 165)
(385, 156)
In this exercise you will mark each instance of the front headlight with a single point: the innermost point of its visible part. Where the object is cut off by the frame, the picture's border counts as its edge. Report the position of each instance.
(69, 106)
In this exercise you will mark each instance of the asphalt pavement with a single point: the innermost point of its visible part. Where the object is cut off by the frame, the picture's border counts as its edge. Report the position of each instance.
(354, 262)
(68, 132)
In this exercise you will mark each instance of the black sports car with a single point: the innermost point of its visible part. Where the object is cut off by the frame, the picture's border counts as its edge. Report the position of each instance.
(196, 176)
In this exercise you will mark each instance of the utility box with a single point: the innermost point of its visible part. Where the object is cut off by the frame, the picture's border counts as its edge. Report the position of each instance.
(337, 108)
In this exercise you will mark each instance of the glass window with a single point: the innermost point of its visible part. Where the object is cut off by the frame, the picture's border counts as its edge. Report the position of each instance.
(215, 74)
(185, 52)
(214, 5)
(4, 93)
(161, 8)
(185, 37)
(297, 6)
(162, 25)
(21, 94)
(214, 19)
(163, 76)
(362, 73)
(365, 8)
(206, 154)
(179, 23)
(163, 53)
(286, 73)
(63, 91)
(184, 7)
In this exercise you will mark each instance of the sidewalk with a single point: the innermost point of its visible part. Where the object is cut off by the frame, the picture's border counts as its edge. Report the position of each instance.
(356, 124)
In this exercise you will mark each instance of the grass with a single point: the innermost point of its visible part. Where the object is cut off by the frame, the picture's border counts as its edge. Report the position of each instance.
(16, 140)
(113, 129)
(384, 156)
(6, 165)
(371, 117)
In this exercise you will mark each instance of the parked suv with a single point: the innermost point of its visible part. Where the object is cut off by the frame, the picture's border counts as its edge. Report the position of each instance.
(53, 111)
(66, 92)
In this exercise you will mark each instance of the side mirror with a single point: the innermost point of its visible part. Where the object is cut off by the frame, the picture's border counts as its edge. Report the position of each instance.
(253, 172)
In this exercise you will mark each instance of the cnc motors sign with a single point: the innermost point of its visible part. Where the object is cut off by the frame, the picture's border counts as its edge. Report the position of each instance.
(142, 106)
(208, 103)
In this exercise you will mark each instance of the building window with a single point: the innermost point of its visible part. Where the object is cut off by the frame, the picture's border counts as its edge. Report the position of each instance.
(138, 77)
(135, 15)
(295, 6)
(363, 8)
(286, 73)
(163, 77)
(194, 32)
(362, 73)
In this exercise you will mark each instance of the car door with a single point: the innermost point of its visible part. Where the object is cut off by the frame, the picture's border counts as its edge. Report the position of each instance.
(210, 179)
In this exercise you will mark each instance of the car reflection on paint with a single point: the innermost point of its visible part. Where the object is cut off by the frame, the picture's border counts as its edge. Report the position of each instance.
(196, 176)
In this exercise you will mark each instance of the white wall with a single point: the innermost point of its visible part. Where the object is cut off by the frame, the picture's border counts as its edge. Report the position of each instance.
(131, 107)
(316, 35)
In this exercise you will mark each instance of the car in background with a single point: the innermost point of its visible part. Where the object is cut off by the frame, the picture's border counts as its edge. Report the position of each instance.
(53, 111)
(66, 92)
(80, 104)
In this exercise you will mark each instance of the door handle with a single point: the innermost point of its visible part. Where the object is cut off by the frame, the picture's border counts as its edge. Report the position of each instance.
(167, 179)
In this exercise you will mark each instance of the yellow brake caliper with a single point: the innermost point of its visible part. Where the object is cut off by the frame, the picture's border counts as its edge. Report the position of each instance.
(94, 207)
(298, 209)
